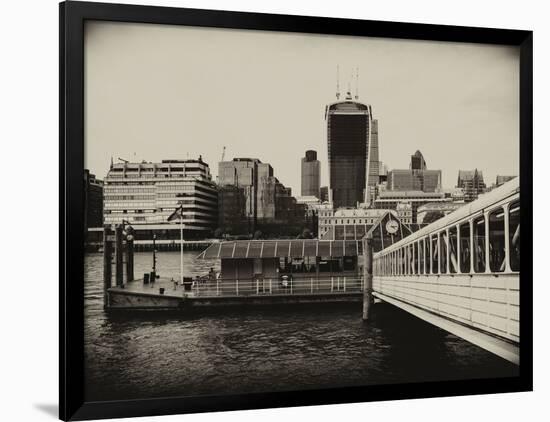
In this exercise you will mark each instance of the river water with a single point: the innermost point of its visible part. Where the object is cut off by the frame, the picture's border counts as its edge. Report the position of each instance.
(133, 356)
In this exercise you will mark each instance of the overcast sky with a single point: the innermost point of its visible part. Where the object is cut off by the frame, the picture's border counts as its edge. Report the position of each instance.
(158, 92)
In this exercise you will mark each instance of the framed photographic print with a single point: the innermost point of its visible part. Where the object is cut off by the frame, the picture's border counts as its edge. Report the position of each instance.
(266, 210)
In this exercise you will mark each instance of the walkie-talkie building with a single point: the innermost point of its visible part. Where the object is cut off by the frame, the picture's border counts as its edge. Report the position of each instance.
(352, 151)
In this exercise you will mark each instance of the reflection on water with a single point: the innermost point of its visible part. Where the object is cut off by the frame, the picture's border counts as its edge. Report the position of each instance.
(158, 355)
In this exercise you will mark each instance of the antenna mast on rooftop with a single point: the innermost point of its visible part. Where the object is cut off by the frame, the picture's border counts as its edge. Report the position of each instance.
(337, 82)
(348, 92)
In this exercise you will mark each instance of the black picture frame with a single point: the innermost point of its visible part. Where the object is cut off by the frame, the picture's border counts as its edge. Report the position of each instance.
(72, 16)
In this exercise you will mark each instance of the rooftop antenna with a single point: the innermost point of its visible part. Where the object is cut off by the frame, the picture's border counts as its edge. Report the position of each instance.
(357, 83)
(337, 82)
(348, 93)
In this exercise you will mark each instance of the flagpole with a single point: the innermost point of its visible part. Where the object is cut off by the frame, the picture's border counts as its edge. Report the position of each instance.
(181, 249)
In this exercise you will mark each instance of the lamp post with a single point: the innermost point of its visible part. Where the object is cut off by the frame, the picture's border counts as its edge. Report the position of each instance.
(178, 213)
(128, 232)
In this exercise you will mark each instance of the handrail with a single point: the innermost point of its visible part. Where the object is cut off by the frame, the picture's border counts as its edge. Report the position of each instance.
(263, 286)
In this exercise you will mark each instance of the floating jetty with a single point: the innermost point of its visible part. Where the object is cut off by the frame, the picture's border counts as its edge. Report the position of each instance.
(250, 275)
(165, 294)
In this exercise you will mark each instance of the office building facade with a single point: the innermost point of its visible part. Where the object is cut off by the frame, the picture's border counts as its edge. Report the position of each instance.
(93, 201)
(472, 184)
(407, 180)
(146, 194)
(389, 200)
(347, 223)
(416, 178)
(311, 174)
(324, 194)
(267, 202)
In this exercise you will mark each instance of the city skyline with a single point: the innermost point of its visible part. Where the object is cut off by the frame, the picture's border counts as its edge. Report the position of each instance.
(445, 113)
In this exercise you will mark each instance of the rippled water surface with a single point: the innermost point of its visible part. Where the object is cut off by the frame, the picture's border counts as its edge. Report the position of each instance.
(158, 355)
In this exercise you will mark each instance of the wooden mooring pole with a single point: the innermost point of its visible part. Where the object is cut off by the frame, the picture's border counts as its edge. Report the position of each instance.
(107, 263)
(119, 271)
(367, 273)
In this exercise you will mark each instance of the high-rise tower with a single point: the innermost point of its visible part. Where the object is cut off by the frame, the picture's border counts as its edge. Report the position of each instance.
(352, 137)
(418, 162)
(311, 174)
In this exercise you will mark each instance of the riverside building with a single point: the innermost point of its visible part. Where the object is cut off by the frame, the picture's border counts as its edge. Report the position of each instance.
(145, 194)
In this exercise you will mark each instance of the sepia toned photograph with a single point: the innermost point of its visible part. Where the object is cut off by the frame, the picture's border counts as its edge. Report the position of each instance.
(280, 211)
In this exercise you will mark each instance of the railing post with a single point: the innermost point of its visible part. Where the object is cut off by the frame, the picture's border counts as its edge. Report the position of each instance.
(257, 286)
(331, 284)
(344, 284)
(217, 286)
(311, 279)
(237, 287)
(291, 283)
(367, 291)
(270, 291)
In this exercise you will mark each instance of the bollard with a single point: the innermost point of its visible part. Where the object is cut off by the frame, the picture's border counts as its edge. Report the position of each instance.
(367, 271)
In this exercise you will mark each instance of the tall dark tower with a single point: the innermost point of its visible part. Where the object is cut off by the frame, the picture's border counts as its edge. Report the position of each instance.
(311, 174)
(352, 137)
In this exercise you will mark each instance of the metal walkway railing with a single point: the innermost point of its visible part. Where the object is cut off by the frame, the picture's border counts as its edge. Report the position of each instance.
(264, 286)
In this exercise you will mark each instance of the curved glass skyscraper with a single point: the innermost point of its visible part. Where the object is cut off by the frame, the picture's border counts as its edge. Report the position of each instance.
(352, 152)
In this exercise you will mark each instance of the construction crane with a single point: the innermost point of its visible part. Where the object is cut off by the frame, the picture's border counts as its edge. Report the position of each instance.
(123, 160)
